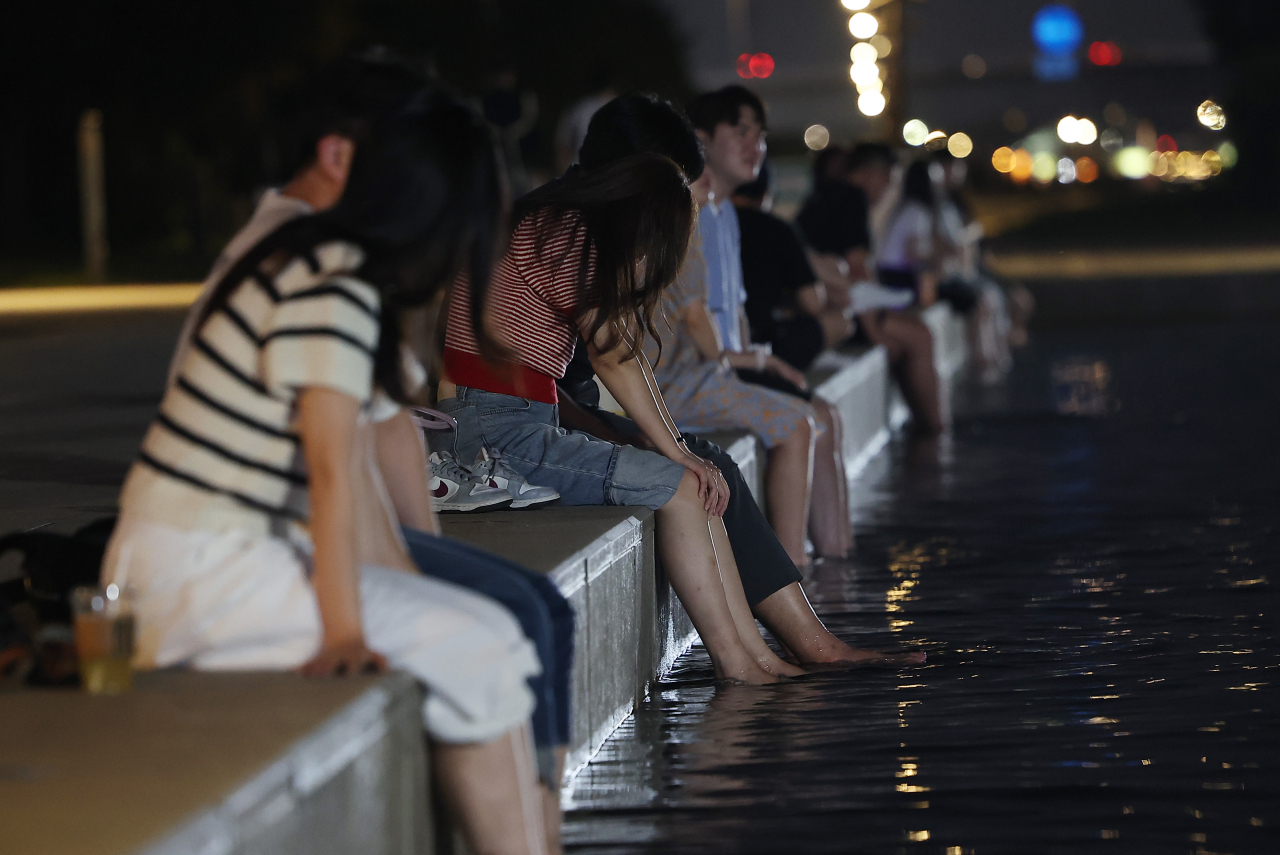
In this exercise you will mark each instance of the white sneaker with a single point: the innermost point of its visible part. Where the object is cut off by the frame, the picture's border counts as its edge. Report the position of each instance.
(870, 296)
(455, 488)
(497, 473)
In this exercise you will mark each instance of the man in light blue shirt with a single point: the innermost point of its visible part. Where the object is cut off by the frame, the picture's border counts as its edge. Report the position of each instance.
(731, 125)
(722, 246)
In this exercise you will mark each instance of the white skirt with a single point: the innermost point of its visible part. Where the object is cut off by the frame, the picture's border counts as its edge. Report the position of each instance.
(240, 601)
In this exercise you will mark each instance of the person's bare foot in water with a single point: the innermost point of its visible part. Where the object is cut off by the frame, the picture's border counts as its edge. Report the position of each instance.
(858, 656)
(743, 670)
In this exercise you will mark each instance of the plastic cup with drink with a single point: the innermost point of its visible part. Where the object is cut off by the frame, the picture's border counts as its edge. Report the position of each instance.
(104, 629)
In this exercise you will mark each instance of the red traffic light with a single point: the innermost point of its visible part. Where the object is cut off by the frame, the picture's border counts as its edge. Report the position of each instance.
(754, 65)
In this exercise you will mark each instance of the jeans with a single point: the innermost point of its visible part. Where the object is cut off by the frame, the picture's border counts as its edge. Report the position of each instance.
(582, 469)
(543, 613)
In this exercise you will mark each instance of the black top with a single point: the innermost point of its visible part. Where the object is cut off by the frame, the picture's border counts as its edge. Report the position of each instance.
(835, 218)
(579, 381)
(774, 267)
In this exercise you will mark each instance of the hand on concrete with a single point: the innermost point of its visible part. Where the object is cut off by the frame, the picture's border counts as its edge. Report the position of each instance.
(343, 658)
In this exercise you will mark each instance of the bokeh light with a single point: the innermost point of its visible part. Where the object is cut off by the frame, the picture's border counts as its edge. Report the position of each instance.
(761, 65)
(960, 145)
(1166, 143)
(1111, 139)
(1086, 170)
(1002, 159)
(1044, 167)
(1066, 170)
(1057, 30)
(1160, 165)
(1228, 154)
(1022, 164)
(1132, 162)
(863, 25)
(863, 52)
(863, 73)
(915, 132)
(1211, 116)
(1213, 161)
(1067, 129)
(973, 66)
(1086, 132)
(743, 66)
(1104, 53)
(881, 43)
(876, 85)
(816, 137)
(871, 103)
(855, 5)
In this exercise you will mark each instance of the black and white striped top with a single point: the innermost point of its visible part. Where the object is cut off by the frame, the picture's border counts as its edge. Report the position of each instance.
(222, 452)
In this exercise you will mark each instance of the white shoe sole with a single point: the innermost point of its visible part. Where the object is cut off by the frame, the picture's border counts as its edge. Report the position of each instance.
(490, 504)
(517, 504)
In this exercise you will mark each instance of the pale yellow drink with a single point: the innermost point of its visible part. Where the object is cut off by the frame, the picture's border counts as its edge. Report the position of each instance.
(104, 627)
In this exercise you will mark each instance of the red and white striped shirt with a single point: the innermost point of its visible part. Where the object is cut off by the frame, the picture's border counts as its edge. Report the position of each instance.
(532, 301)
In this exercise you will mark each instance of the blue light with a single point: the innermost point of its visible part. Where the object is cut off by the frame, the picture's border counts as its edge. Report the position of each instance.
(1057, 30)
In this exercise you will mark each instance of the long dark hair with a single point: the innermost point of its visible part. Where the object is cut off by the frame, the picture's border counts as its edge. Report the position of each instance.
(636, 122)
(637, 214)
(426, 199)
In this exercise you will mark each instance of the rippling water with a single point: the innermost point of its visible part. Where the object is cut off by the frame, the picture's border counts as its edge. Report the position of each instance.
(1091, 564)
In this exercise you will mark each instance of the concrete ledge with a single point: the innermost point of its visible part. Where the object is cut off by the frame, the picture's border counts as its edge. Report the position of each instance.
(241, 764)
(630, 626)
(217, 764)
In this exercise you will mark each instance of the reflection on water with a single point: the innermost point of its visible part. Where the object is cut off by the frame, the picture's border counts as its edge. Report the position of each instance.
(1080, 386)
(1097, 599)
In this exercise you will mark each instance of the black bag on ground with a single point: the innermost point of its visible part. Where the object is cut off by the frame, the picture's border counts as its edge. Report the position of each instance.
(53, 564)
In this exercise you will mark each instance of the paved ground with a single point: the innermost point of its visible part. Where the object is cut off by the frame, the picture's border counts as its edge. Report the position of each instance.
(76, 393)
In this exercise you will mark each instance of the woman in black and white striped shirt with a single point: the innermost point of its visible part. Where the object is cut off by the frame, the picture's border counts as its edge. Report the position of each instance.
(238, 528)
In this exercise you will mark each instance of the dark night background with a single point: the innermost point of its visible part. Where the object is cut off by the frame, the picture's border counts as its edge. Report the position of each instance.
(186, 90)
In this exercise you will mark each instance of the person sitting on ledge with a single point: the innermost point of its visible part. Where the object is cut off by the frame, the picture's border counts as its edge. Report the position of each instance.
(629, 125)
(243, 559)
(730, 123)
(330, 114)
(835, 222)
(590, 256)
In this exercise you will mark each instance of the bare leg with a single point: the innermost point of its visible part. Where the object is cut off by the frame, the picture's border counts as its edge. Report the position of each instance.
(742, 617)
(690, 560)
(790, 618)
(829, 515)
(551, 815)
(910, 347)
(1021, 306)
(788, 483)
(492, 792)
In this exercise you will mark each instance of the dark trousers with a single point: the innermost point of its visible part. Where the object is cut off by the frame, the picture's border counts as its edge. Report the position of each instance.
(544, 615)
(763, 564)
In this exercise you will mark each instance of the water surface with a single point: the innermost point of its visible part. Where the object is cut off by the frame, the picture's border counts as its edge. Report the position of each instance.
(1090, 563)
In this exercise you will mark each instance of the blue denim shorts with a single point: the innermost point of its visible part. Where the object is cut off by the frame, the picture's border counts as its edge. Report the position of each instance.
(583, 469)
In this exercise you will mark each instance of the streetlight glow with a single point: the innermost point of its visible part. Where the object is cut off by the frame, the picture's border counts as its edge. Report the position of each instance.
(915, 132)
(960, 145)
(863, 25)
(871, 103)
(863, 52)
